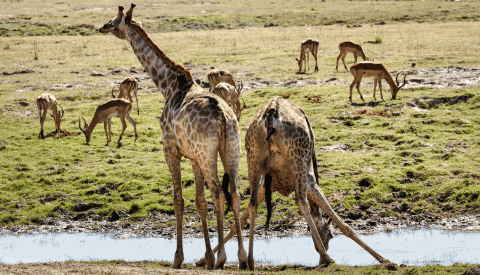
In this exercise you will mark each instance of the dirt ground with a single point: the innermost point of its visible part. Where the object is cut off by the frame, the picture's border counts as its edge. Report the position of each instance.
(87, 268)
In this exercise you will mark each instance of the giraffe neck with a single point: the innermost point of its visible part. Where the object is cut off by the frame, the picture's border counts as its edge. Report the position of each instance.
(162, 70)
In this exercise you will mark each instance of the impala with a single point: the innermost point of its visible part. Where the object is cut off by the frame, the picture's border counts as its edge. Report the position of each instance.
(231, 95)
(309, 45)
(117, 107)
(47, 102)
(378, 72)
(217, 76)
(350, 47)
(128, 86)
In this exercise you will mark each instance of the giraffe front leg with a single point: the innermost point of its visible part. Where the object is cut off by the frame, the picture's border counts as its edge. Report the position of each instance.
(301, 200)
(173, 161)
(317, 195)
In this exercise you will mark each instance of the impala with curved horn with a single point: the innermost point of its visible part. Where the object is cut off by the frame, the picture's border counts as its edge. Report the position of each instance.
(128, 86)
(378, 72)
(117, 107)
(231, 95)
(46, 102)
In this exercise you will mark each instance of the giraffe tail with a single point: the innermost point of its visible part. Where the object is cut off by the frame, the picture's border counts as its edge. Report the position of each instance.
(228, 196)
(268, 197)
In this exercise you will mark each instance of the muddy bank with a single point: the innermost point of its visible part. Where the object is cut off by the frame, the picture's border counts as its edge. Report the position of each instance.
(297, 226)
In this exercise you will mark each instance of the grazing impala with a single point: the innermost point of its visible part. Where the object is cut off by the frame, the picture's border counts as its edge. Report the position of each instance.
(114, 107)
(309, 45)
(217, 76)
(128, 86)
(350, 47)
(231, 95)
(46, 102)
(378, 72)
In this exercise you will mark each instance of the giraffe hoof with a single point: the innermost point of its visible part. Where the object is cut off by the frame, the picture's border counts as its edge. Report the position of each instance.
(251, 263)
(177, 263)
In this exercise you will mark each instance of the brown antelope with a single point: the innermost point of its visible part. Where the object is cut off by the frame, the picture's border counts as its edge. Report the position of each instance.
(46, 102)
(378, 72)
(216, 76)
(117, 107)
(231, 95)
(128, 86)
(309, 45)
(350, 47)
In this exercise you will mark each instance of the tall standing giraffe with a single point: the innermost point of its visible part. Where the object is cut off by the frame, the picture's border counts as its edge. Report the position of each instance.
(195, 124)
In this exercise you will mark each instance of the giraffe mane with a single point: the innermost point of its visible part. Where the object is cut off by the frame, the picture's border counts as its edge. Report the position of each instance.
(174, 65)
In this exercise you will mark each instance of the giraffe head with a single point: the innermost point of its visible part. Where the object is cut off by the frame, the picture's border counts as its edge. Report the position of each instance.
(119, 24)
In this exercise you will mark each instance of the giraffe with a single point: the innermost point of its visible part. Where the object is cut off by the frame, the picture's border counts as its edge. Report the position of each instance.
(281, 157)
(197, 125)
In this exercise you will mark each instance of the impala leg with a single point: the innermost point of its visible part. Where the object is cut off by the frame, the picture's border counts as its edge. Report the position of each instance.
(315, 193)
(343, 60)
(316, 64)
(338, 59)
(238, 108)
(173, 162)
(358, 89)
(105, 126)
(308, 61)
(134, 125)
(201, 204)
(56, 117)
(380, 86)
(301, 200)
(355, 58)
(351, 88)
(42, 121)
(124, 126)
(375, 88)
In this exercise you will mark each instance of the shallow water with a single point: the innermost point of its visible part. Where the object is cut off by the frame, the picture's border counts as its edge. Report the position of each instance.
(419, 247)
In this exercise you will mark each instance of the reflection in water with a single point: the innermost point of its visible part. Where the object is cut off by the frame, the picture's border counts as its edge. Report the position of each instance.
(419, 247)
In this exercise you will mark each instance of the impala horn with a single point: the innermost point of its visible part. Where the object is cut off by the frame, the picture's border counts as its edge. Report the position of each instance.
(63, 111)
(244, 106)
(85, 126)
(404, 81)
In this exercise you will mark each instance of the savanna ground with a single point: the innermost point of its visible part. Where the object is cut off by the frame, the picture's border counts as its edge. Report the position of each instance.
(415, 158)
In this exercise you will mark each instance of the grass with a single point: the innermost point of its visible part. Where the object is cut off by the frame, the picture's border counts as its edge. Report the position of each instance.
(429, 155)
(33, 18)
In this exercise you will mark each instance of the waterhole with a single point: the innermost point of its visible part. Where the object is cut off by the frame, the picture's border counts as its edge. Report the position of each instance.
(411, 247)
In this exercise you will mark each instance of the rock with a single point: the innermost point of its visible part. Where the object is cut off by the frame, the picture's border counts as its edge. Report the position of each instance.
(114, 216)
(400, 195)
(81, 207)
(354, 216)
(23, 103)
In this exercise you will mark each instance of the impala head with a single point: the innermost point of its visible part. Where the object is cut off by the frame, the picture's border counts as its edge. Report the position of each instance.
(396, 89)
(299, 61)
(118, 25)
(58, 118)
(88, 134)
